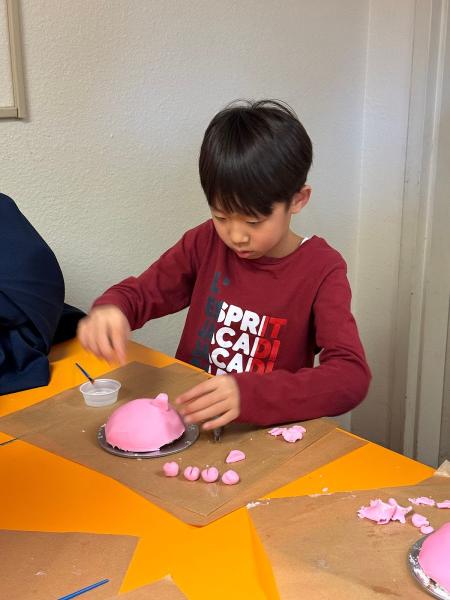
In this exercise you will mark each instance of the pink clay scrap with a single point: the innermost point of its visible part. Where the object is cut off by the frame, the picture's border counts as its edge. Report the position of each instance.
(191, 473)
(422, 500)
(235, 456)
(210, 474)
(419, 520)
(230, 477)
(425, 529)
(171, 469)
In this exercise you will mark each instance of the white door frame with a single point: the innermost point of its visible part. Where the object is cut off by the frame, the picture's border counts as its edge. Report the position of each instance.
(422, 308)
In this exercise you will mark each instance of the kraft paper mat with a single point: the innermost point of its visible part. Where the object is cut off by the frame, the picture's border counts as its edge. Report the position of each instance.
(164, 589)
(46, 566)
(319, 548)
(65, 426)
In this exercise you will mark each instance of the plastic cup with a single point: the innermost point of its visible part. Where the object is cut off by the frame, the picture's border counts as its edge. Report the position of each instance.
(102, 393)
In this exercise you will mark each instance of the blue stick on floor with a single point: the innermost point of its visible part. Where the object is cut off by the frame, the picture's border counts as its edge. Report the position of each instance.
(86, 589)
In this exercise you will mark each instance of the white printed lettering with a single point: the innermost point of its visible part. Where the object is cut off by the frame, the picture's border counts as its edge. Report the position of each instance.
(220, 337)
(216, 353)
(235, 364)
(222, 312)
(243, 343)
(234, 315)
(250, 322)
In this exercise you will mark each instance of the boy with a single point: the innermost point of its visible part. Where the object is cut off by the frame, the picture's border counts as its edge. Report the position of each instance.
(263, 300)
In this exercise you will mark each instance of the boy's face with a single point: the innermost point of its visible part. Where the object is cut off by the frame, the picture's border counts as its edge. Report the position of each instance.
(254, 237)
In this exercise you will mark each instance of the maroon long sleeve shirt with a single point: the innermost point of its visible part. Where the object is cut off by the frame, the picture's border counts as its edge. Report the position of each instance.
(261, 321)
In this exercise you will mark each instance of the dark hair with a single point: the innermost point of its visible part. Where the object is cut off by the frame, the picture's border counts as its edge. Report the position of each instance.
(254, 154)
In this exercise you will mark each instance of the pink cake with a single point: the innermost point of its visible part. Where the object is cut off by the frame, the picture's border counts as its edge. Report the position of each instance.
(434, 556)
(144, 425)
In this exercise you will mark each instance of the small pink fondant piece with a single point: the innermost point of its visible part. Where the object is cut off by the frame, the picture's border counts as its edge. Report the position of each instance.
(277, 430)
(292, 434)
(422, 500)
(299, 427)
(171, 469)
(191, 473)
(426, 529)
(235, 456)
(383, 512)
(162, 401)
(230, 477)
(210, 475)
(378, 511)
(400, 511)
(443, 504)
(419, 520)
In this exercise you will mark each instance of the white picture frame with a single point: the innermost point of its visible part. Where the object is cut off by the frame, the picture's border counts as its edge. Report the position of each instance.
(18, 108)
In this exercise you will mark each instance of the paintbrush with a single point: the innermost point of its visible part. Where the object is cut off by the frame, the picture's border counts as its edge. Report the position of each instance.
(86, 374)
(85, 589)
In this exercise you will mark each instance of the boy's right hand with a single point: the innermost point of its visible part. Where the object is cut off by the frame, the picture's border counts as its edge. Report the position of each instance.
(105, 332)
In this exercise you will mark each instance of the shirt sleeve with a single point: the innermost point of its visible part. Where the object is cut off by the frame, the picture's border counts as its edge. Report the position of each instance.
(164, 288)
(338, 384)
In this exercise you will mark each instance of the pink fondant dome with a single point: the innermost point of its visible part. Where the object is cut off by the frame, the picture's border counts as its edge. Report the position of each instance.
(144, 425)
(434, 556)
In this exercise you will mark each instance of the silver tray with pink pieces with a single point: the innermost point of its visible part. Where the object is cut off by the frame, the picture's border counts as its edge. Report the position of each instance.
(425, 582)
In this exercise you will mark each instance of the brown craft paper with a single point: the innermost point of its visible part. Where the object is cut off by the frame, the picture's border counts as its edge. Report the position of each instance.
(444, 469)
(164, 589)
(319, 548)
(331, 446)
(65, 426)
(45, 566)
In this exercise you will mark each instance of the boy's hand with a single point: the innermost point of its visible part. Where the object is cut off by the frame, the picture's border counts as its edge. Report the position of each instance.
(105, 332)
(216, 402)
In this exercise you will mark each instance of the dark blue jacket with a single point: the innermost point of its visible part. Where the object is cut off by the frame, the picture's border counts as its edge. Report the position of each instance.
(31, 301)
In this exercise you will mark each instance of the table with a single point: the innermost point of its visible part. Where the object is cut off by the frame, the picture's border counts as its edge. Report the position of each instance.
(222, 560)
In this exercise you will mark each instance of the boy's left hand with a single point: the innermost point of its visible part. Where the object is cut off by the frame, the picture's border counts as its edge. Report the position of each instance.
(215, 402)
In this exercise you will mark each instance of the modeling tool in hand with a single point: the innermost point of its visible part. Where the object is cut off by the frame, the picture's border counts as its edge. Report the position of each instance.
(217, 433)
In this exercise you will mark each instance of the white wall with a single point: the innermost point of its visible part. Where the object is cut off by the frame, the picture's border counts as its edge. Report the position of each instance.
(119, 94)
